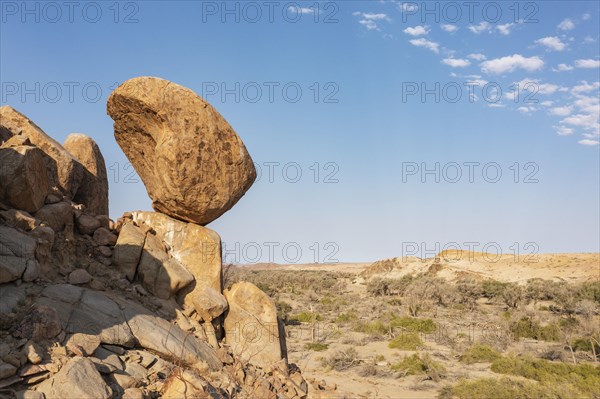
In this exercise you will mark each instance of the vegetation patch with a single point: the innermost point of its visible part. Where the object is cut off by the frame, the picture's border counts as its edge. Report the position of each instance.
(420, 364)
(479, 353)
(406, 342)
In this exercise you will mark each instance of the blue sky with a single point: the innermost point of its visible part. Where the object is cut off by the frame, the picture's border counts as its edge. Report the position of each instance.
(360, 97)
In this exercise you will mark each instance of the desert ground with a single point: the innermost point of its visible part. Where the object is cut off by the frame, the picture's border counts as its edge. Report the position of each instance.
(464, 325)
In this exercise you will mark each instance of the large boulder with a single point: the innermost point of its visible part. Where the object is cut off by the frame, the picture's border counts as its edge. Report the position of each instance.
(252, 328)
(63, 170)
(93, 190)
(195, 247)
(80, 379)
(193, 164)
(23, 179)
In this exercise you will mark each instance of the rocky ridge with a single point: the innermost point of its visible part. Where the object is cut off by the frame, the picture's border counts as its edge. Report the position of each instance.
(132, 308)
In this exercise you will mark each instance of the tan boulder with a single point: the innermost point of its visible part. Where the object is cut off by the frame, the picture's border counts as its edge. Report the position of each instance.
(160, 274)
(252, 329)
(23, 178)
(128, 249)
(77, 379)
(63, 170)
(193, 164)
(196, 247)
(208, 302)
(93, 190)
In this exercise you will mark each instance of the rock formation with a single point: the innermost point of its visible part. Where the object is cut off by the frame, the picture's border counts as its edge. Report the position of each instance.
(93, 191)
(135, 308)
(194, 165)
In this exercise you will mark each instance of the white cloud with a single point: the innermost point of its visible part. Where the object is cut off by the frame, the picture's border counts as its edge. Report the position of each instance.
(586, 16)
(588, 64)
(560, 111)
(535, 86)
(456, 62)
(512, 63)
(547, 103)
(552, 43)
(563, 130)
(449, 28)
(563, 68)
(588, 121)
(567, 24)
(417, 30)
(589, 39)
(408, 7)
(369, 20)
(302, 10)
(526, 110)
(428, 44)
(477, 56)
(483, 26)
(585, 87)
(589, 142)
(505, 29)
(496, 105)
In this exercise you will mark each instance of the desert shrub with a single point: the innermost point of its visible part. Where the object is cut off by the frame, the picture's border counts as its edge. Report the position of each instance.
(493, 289)
(306, 317)
(406, 341)
(376, 327)
(346, 317)
(506, 388)
(290, 281)
(586, 308)
(589, 290)
(513, 295)
(368, 370)
(527, 327)
(585, 344)
(480, 354)
(341, 360)
(469, 291)
(420, 364)
(413, 324)
(316, 346)
(378, 286)
(283, 310)
(584, 378)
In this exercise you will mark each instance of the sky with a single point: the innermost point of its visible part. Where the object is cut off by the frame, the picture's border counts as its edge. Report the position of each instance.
(378, 128)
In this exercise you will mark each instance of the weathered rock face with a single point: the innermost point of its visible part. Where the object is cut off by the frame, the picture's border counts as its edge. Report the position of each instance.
(128, 249)
(17, 254)
(93, 190)
(63, 170)
(196, 248)
(57, 216)
(23, 179)
(121, 322)
(161, 275)
(77, 379)
(194, 165)
(252, 328)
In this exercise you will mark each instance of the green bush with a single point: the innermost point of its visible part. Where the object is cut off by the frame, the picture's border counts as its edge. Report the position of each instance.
(376, 327)
(346, 317)
(316, 346)
(283, 310)
(589, 290)
(507, 388)
(479, 353)
(420, 364)
(529, 328)
(584, 378)
(406, 341)
(413, 324)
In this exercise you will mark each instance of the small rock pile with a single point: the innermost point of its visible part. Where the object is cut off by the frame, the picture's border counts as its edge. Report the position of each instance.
(92, 308)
